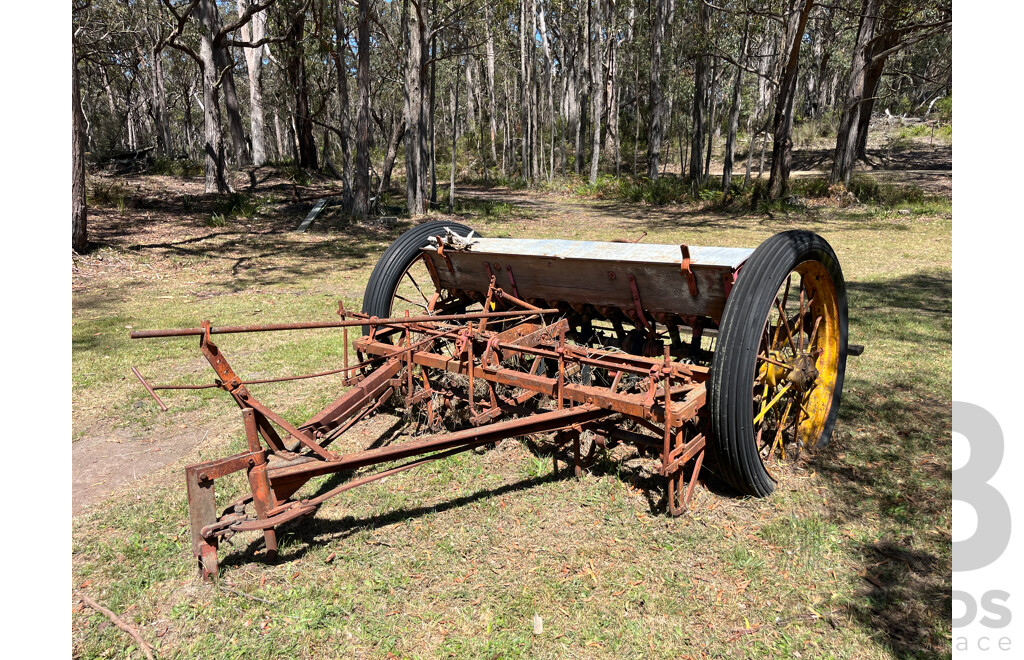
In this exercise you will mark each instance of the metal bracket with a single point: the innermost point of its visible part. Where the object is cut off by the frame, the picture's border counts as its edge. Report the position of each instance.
(440, 251)
(512, 281)
(691, 279)
(636, 303)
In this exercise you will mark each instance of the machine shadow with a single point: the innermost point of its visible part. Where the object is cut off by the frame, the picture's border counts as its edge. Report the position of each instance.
(307, 534)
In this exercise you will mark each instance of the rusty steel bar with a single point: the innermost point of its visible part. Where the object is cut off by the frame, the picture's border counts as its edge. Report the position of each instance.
(629, 404)
(150, 389)
(230, 329)
(540, 423)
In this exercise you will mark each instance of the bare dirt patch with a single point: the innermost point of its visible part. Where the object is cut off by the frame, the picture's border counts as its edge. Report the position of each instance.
(105, 460)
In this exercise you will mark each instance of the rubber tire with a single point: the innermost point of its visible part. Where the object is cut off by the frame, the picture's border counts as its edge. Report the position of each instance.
(733, 367)
(386, 275)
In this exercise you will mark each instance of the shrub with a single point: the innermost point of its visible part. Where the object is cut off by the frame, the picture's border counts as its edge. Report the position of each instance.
(110, 195)
(176, 167)
(240, 205)
(868, 190)
(810, 187)
(217, 220)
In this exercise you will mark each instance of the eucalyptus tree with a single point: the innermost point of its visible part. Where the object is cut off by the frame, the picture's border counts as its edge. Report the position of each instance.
(886, 27)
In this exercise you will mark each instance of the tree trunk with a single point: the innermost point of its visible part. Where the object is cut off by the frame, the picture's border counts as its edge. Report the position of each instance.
(361, 189)
(734, 115)
(345, 119)
(524, 104)
(700, 91)
(655, 133)
(597, 89)
(712, 116)
(455, 139)
(492, 110)
(300, 85)
(277, 135)
(432, 124)
(750, 149)
(253, 31)
(225, 70)
(846, 138)
(871, 80)
(782, 147)
(397, 133)
(417, 161)
(162, 127)
(79, 212)
(548, 75)
(213, 147)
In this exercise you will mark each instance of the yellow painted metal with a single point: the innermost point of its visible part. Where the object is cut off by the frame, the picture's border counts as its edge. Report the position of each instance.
(811, 336)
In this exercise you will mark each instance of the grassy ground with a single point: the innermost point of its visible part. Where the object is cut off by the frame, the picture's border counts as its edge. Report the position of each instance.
(849, 558)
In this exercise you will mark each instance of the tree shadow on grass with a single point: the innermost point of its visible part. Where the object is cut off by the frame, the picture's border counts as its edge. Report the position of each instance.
(890, 466)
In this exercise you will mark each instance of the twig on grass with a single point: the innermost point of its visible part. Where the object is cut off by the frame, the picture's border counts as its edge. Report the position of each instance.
(117, 621)
(243, 594)
(783, 621)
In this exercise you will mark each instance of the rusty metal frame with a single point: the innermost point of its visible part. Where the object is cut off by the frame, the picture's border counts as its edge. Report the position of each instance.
(654, 395)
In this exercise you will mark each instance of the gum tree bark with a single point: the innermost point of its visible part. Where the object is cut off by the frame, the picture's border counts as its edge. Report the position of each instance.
(397, 133)
(361, 188)
(846, 140)
(598, 90)
(297, 74)
(213, 145)
(79, 211)
(417, 161)
(700, 92)
(225, 69)
(663, 10)
(492, 110)
(734, 115)
(345, 119)
(782, 148)
(455, 138)
(255, 30)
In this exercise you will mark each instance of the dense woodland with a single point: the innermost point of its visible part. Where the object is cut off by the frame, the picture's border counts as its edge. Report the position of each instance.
(370, 92)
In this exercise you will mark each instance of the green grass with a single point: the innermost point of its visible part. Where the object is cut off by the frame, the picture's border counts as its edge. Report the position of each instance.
(456, 557)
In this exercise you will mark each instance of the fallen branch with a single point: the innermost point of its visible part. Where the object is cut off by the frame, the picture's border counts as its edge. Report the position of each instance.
(143, 644)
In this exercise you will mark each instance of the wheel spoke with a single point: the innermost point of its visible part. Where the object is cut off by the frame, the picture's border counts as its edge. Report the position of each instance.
(800, 329)
(785, 295)
(814, 333)
(411, 302)
(412, 279)
(785, 322)
(771, 361)
(774, 400)
(778, 434)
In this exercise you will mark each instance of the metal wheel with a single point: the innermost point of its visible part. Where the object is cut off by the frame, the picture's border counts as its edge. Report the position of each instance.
(797, 364)
(401, 280)
(777, 373)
